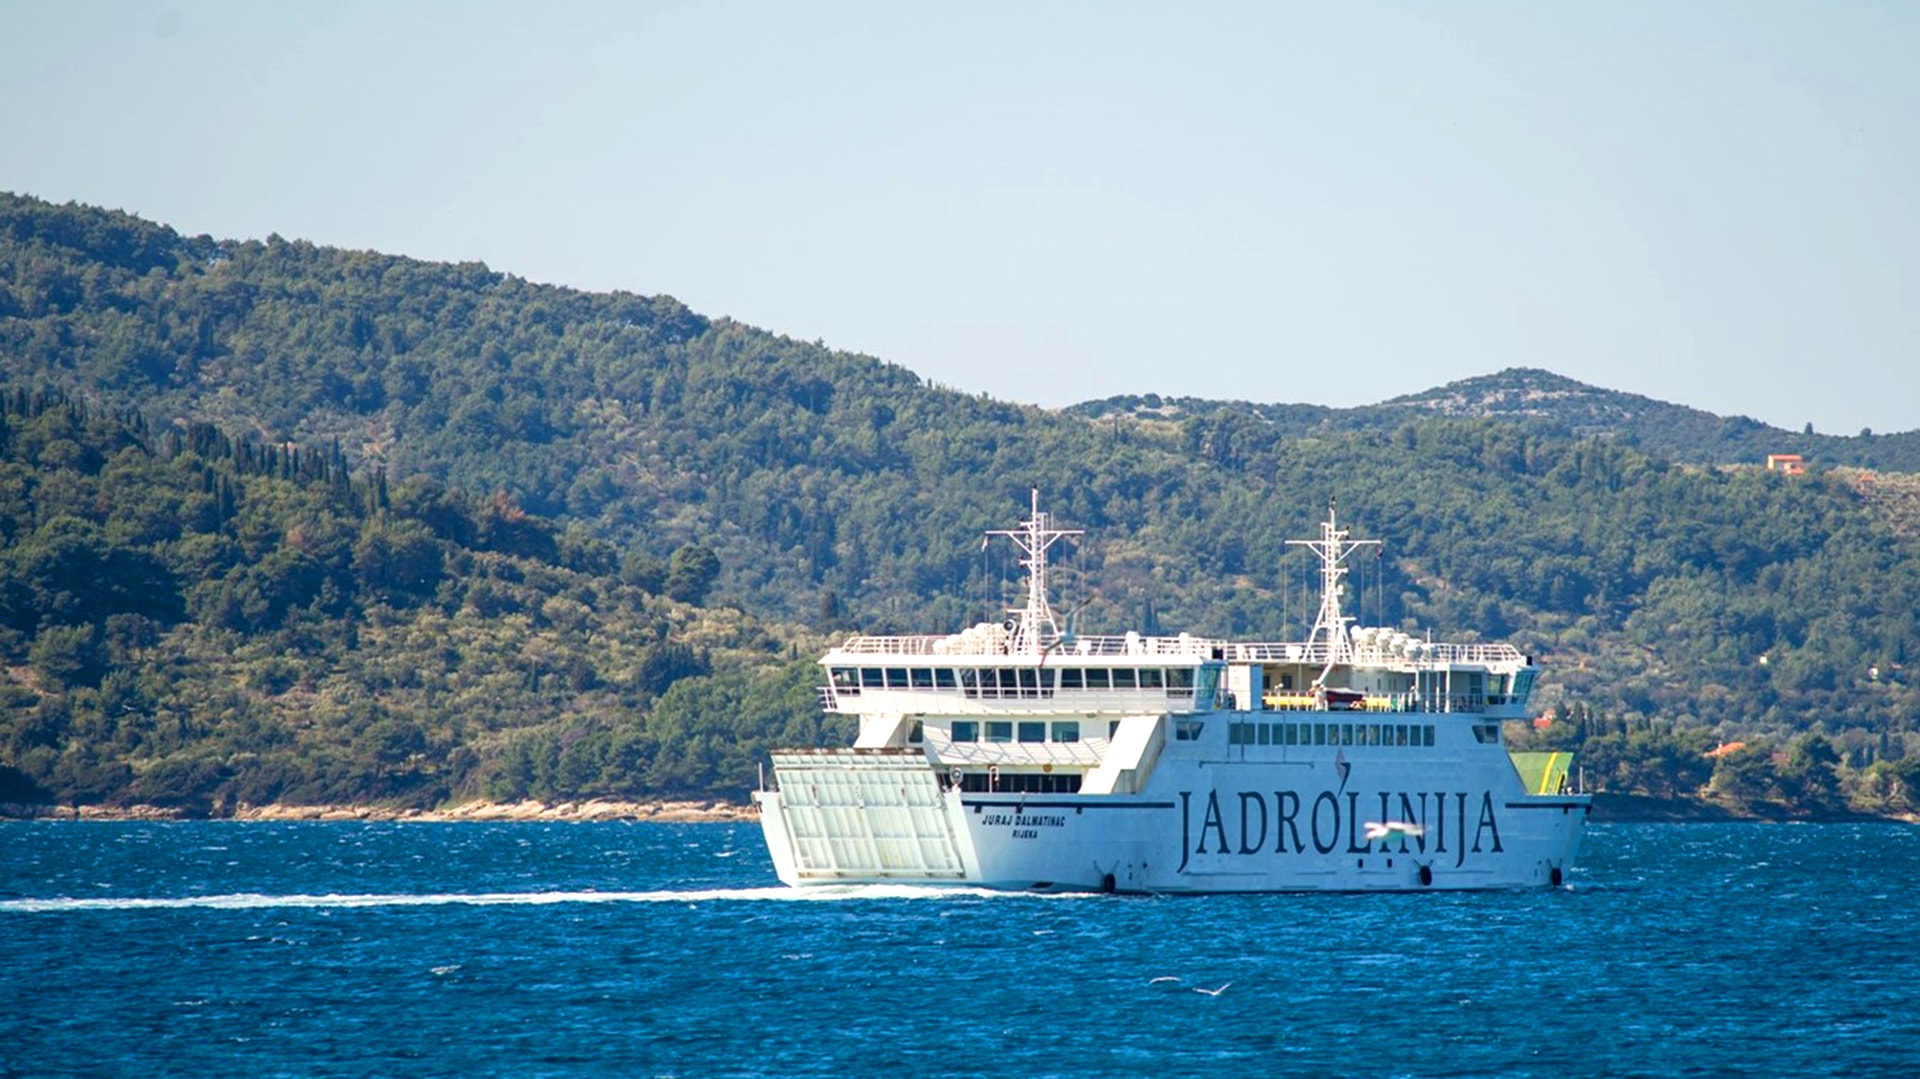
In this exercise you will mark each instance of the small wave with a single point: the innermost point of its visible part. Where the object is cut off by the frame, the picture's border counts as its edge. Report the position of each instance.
(256, 901)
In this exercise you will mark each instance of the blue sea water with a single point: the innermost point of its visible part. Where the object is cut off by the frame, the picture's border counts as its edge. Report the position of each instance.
(617, 949)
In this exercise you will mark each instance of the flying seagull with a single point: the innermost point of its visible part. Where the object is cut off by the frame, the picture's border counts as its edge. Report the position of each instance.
(1212, 992)
(1377, 830)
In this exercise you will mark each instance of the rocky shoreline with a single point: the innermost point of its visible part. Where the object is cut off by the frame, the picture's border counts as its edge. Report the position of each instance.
(1612, 808)
(592, 810)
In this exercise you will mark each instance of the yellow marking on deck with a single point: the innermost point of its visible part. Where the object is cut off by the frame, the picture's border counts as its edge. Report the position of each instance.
(1546, 777)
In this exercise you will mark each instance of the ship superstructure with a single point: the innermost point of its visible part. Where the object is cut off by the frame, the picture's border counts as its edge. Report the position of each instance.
(1021, 755)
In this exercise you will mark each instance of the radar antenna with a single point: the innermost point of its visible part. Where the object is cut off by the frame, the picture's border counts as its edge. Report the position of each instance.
(1034, 629)
(1330, 624)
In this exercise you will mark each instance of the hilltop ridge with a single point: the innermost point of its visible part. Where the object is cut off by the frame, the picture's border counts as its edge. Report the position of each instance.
(1543, 400)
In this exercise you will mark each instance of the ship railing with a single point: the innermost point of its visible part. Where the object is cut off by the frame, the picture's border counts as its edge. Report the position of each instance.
(1428, 655)
(1132, 644)
(1474, 703)
(1421, 654)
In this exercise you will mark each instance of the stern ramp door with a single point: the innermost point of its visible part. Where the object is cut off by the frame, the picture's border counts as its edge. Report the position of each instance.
(861, 814)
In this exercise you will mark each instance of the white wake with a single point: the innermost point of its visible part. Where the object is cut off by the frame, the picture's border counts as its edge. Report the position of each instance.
(257, 901)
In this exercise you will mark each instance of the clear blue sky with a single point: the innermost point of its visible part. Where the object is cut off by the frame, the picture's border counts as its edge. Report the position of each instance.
(1707, 202)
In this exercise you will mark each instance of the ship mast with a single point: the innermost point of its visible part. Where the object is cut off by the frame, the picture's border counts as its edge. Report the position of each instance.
(1034, 628)
(1329, 624)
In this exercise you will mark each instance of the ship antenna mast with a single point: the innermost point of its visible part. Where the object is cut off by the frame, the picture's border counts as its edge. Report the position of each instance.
(1034, 628)
(1330, 624)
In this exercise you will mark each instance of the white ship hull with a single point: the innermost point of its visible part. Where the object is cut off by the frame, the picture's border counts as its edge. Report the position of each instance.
(1214, 818)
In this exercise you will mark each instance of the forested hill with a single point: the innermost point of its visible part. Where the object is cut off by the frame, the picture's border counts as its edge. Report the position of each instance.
(1554, 404)
(1674, 606)
(200, 621)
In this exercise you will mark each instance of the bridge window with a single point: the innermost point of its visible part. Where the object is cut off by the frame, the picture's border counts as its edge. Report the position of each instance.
(1097, 678)
(896, 678)
(1123, 678)
(943, 678)
(966, 730)
(1009, 683)
(1032, 731)
(1067, 731)
(1029, 682)
(1072, 678)
(922, 678)
(846, 680)
(999, 730)
(871, 678)
(1150, 678)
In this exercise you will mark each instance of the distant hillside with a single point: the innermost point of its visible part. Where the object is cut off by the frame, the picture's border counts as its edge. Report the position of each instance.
(1548, 402)
(1674, 605)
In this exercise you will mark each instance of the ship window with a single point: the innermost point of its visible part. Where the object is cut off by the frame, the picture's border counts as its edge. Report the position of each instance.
(1180, 678)
(1429, 733)
(999, 730)
(1123, 678)
(846, 680)
(1022, 782)
(1097, 678)
(966, 730)
(1029, 683)
(1072, 678)
(1346, 734)
(1009, 683)
(1486, 733)
(1293, 734)
(1286, 681)
(943, 677)
(1067, 731)
(916, 733)
(1236, 734)
(870, 677)
(1032, 731)
(922, 678)
(1319, 734)
(1186, 730)
(1266, 734)
(1400, 735)
(896, 678)
(1150, 679)
(970, 681)
(1113, 728)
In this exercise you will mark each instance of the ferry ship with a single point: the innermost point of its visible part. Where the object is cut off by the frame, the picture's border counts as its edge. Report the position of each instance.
(1020, 755)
